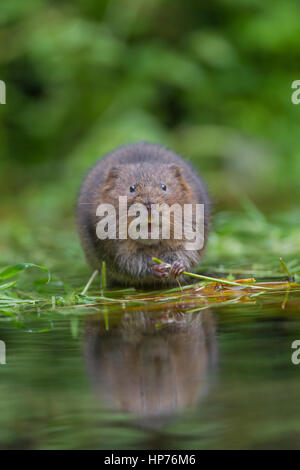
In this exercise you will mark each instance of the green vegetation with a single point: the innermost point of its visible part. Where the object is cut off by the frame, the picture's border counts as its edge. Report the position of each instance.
(211, 81)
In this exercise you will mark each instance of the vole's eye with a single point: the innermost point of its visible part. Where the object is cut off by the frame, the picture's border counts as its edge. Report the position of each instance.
(132, 188)
(163, 187)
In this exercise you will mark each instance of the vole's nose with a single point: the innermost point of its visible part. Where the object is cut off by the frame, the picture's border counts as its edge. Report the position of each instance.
(148, 206)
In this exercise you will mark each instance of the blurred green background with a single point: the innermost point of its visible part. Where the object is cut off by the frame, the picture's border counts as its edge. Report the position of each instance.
(211, 80)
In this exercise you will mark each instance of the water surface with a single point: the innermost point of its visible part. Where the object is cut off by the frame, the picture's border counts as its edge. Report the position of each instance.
(154, 379)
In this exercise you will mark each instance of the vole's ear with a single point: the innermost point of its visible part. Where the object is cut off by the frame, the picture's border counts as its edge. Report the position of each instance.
(178, 175)
(175, 170)
(112, 176)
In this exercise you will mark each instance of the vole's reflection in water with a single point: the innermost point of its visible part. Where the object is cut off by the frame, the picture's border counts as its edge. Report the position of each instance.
(153, 365)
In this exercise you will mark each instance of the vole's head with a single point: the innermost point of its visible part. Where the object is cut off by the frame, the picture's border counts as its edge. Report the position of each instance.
(152, 187)
(146, 184)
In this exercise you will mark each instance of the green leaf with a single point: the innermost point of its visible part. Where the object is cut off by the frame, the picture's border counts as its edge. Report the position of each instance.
(17, 268)
(6, 313)
(7, 285)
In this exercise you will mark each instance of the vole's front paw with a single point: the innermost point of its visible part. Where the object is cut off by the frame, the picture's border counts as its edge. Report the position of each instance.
(161, 270)
(177, 268)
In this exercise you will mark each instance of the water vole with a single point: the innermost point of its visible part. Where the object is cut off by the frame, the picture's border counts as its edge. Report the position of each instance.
(148, 174)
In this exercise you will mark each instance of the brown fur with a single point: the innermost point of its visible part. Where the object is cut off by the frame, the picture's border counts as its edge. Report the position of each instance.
(147, 166)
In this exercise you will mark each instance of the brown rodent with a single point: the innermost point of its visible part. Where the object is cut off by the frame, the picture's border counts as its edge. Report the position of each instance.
(148, 174)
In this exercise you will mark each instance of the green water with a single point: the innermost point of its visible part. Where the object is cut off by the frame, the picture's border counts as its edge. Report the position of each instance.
(219, 378)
